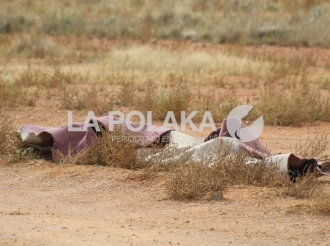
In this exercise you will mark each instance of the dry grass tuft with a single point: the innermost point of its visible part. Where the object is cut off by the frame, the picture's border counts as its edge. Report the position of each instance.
(110, 149)
(93, 100)
(35, 77)
(309, 187)
(304, 187)
(10, 139)
(12, 96)
(175, 98)
(291, 107)
(24, 89)
(72, 100)
(315, 147)
(193, 180)
(11, 146)
(321, 201)
(127, 95)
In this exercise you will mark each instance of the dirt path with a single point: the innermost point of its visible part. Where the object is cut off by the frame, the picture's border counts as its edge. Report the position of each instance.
(48, 204)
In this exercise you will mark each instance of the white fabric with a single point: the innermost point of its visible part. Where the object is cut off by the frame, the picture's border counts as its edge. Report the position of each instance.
(184, 148)
(43, 141)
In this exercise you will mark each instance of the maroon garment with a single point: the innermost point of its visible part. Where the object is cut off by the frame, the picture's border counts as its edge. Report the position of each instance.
(256, 148)
(70, 142)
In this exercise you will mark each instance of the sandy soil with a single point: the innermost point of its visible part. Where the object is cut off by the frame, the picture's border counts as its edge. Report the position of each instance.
(43, 203)
(47, 204)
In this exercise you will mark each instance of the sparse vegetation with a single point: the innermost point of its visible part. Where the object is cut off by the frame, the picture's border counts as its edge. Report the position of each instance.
(109, 150)
(311, 189)
(93, 100)
(193, 180)
(190, 55)
(291, 106)
(302, 23)
(12, 148)
(177, 98)
(304, 188)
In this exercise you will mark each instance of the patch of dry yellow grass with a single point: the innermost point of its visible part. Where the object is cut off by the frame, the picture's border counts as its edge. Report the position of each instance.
(144, 63)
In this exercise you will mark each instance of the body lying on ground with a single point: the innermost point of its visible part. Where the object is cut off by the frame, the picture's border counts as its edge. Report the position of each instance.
(61, 140)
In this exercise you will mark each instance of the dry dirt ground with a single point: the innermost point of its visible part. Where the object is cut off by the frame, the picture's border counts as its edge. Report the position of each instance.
(48, 204)
(43, 203)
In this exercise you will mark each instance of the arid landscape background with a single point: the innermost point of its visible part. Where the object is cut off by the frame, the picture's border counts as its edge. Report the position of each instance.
(160, 56)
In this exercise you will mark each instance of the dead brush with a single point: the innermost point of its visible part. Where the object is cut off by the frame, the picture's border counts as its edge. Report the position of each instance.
(206, 103)
(10, 139)
(193, 180)
(162, 159)
(146, 103)
(239, 19)
(12, 147)
(12, 95)
(92, 99)
(113, 148)
(24, 90)
(290, 107)
(35, 77)
(127, 94)
(156, 159)
(237, 170)
(174, 98)
(240, 169)
(309, 187)
(315, 147)
(177, 98)
(326, 111)
(320, 201)
(72, 100)
(303, 188)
